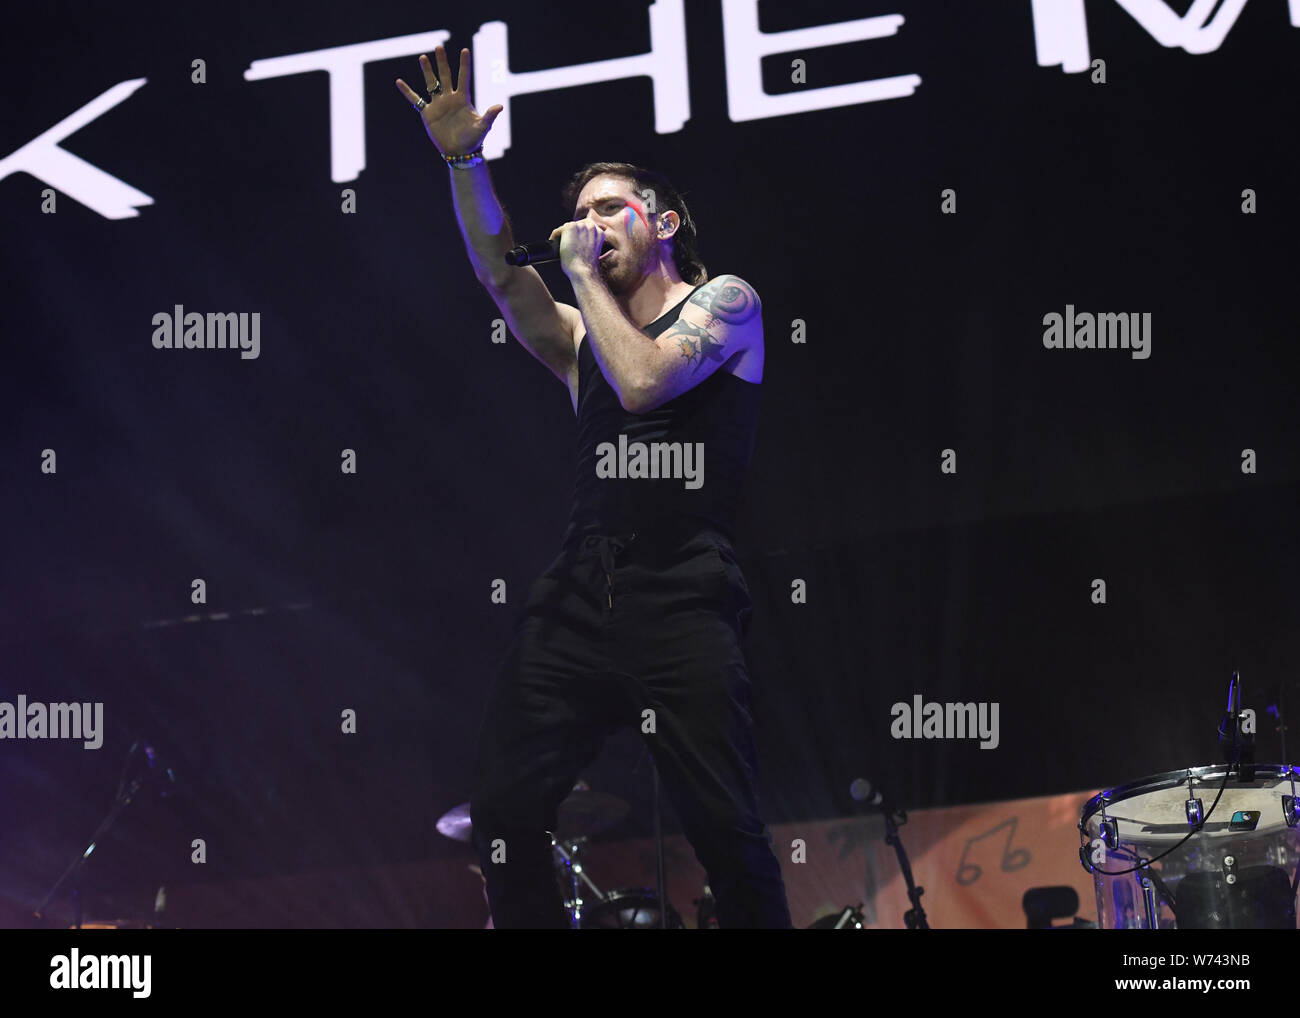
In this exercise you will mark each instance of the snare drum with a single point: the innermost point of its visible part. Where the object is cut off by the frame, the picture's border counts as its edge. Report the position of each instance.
(1237, 871)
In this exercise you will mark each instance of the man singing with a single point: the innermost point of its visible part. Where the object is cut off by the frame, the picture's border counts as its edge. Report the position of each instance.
(639, 620)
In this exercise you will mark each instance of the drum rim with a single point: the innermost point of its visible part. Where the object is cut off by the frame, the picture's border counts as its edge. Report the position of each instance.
(1172, 779)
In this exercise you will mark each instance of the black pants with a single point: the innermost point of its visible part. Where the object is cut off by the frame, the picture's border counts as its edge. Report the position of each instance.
(617, 626)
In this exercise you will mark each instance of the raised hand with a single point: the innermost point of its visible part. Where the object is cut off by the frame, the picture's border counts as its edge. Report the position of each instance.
(449, 119)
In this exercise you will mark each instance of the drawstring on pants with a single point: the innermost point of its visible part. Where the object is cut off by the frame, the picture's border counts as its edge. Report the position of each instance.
(609, 546)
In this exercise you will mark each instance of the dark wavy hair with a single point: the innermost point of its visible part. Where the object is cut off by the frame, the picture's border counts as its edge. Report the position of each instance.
(688, 263)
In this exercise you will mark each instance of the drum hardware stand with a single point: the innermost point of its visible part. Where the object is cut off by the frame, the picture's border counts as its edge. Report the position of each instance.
(1151, 877)
(574, 872)
(1149, 902)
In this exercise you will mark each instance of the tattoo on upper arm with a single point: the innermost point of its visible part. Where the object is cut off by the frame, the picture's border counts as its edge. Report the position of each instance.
(729, 301)
(696, 344)
(728, 298)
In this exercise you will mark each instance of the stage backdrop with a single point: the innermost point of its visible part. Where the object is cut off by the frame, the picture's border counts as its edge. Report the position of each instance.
(969, 488)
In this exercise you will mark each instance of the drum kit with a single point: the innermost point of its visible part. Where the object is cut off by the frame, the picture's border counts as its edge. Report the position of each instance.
(1160, 859)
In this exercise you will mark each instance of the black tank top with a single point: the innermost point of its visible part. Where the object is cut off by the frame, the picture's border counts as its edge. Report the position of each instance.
(680, 466)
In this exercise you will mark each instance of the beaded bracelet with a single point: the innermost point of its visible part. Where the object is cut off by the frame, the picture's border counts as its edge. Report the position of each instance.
(465, 161)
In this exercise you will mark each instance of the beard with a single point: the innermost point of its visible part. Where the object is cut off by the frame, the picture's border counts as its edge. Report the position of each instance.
(624, 270)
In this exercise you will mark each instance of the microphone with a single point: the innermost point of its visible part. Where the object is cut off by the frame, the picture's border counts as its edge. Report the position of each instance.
(1230, 726)
(1237, 743)
(865, 792)
(544, 251)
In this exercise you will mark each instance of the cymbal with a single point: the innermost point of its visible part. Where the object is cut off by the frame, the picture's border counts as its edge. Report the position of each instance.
(586, 814)
(582, 815)
(455, 823)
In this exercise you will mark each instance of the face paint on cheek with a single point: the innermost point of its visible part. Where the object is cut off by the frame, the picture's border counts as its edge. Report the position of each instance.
(634, 212)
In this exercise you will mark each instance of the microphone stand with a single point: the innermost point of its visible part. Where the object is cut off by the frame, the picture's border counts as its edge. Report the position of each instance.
(74, 869)
(126, 792)
(914, 918)
(659, 846)
(1237, 744)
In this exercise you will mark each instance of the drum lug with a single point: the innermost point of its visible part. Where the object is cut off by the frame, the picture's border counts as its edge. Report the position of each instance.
(1194, 806)
(1109, 829)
